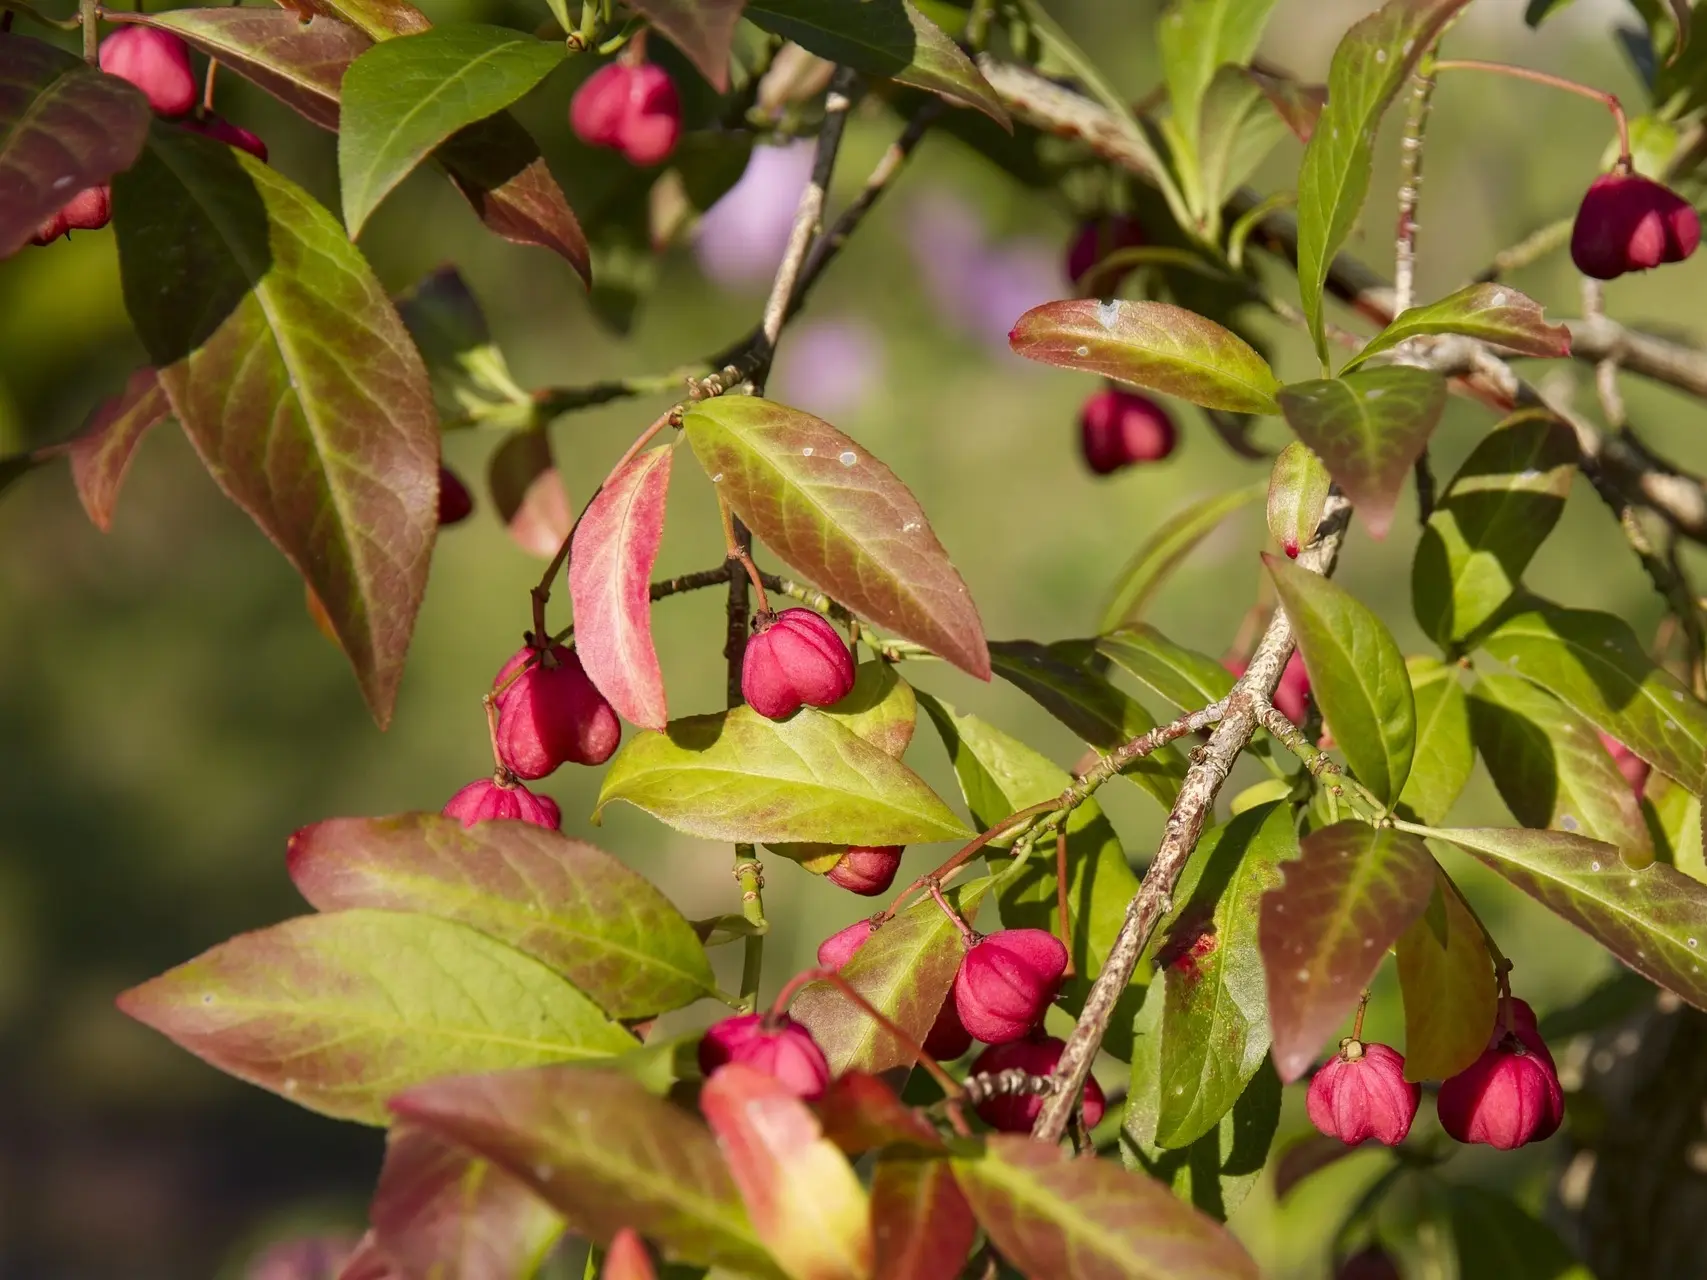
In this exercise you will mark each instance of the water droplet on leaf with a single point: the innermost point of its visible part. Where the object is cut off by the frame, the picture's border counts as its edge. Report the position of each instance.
(847, 457)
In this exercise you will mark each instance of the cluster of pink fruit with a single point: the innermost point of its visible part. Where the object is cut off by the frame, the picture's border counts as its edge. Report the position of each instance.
(1508, 1097)
(1005, 983)
(158, 63)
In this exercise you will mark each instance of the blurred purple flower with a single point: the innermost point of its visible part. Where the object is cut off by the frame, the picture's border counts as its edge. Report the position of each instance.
(828, 367)
(309, 1258)
(741, 238)
(980, 288)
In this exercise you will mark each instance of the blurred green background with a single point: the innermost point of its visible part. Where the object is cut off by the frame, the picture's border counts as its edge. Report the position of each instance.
(169, 715)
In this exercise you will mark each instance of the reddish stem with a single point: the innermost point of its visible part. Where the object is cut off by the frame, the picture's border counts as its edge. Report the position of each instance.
(967, 854)
(500, 771)
(968, 935)
(1607, 100)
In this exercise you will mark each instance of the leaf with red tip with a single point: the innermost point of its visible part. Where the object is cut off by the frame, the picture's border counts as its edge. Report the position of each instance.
(1353, 890)
(1372, 62)
(1493, 313)
(1654, 920)
(1368, 428)
(603, 1152)
(528, 494)
(861, 1113)
(337, 1012)
(1154, 345)
(805, 1202)
(702, 29)
(293, 378)
(627, 1259)
(905, 970)
(101, 454)
(1447, 977)
(1052, 1215)
(836, 514)
(439, 1211)
(567, 904)
(64, 126)
(610, 575)
(300, 63)
(922, 1224)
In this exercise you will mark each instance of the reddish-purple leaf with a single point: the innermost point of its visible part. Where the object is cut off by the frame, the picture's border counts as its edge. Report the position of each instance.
(1352, 891)
(836, 514)
(293, 378)
(806, 1204)
(102, 454)
(1654, 920)
(920, 1219)
(1494, 313)
(439, 1211)
(1368, 428)
(300, 63)
(702, 29)
(498, 167)
(529, 496)
(1073, 1219)
(1154, 345)
(565, 903)
(627, 1259)
(603, 1152)
(337, 1012)
(610, 572)
(861, 1113)
(64, 126)
(905, 969)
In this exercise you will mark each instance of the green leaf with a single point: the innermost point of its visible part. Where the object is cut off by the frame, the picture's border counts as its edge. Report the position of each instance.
(1357, 676)
(888, 38)
(1353, 890)
(101, 453)
(702, 29)
(64, 126)
(1216, 1172)
(1368, 428)
(1163, 551)
(1374, 59)
(1240, 127)
(379, 19)
(338, 1012)
(1495, 1238)
(603, 1152)
(440, 1211)
(404, 97)
(567, 904)
(302, 64)
(1154, 345)
(1551, 769)
(1493, 313)
(905, 970)
(1445, 755)
(833, 512)
(1593, 663)
(1215, 1016)
(1052, 1215)
(1488, 525)
(1297, 495)
(1654, 920)
(1446, 975)
(738, 777)
(1538, 11)
(881, 708)
(1000, 775)
(1183, 677)
(1674, 821)
(1091, 707)
(1198, 37)
(293, 378)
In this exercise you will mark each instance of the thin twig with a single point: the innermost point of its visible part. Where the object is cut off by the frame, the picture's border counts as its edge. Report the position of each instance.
(1210, 767)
